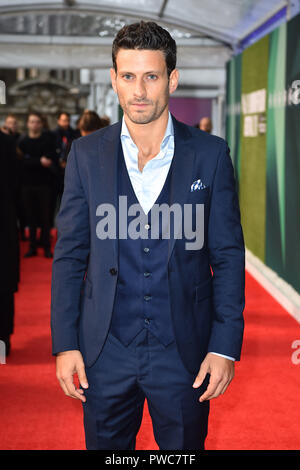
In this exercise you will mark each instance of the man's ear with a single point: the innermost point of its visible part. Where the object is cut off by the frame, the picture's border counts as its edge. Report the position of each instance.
(173, 80)
(113, 77)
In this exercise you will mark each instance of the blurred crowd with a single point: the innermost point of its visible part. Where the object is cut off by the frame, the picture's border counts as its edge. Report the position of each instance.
(31, 185)
(41, 157)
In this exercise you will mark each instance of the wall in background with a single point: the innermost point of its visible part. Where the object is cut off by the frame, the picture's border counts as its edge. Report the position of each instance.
(262, 129)
(190, 110)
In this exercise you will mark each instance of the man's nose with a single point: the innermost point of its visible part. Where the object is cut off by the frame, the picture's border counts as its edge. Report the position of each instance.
(140, 89)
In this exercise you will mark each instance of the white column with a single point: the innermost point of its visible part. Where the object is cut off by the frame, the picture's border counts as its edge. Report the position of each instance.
(221, 115)
(214, 117)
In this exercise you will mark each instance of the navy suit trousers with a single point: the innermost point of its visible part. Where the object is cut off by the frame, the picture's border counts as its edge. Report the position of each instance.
(120, 381)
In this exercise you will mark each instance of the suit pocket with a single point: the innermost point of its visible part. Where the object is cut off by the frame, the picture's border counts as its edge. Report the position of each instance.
(199, 195)
(204, 290)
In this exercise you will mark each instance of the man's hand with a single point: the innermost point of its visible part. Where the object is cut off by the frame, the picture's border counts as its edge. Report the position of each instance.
(46, 162)
(221, 372)
(67, 364)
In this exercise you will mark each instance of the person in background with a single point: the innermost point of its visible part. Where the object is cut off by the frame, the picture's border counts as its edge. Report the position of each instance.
(105, 120)
(63, 135)
(205, 124)
(9, 274)
(90, 122)
(11, 127)
(39, 171)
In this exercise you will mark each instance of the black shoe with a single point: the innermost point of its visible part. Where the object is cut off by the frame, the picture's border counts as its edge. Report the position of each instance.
(48, 253)
(30, 253)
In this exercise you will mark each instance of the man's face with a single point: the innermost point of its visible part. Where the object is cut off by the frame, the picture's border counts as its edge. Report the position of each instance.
(11, 124)
(63, 121)
(34, 124)
(205, 125)
(142, 84)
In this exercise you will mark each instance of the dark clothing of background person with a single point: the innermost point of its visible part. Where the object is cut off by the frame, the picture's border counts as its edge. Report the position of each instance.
(15, 136)
(9, 273)
(21, 216)
(37, 186)
(63, 140)
(34, 173)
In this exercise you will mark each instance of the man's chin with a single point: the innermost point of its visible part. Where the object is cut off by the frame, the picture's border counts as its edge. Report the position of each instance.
(140, 117)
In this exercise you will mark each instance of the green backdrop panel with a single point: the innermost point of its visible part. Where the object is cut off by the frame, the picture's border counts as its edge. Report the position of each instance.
(275, 214)
(252, 184)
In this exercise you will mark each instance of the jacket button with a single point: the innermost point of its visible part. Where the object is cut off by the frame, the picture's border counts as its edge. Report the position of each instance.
(113, 271)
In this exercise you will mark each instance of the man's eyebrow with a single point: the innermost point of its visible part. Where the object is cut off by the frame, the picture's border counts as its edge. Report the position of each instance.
(158, 72)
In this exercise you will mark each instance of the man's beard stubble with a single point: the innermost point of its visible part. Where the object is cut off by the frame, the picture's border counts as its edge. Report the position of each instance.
(145, 117)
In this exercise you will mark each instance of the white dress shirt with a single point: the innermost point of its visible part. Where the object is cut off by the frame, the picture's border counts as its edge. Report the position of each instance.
(147, 184)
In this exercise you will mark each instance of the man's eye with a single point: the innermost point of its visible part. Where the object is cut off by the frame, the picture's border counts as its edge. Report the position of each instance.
(126, 76)
(153, 77)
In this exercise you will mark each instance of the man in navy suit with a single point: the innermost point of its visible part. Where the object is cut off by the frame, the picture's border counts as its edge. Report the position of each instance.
(138, 310)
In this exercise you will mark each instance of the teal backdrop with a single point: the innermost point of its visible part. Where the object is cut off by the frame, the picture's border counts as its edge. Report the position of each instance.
(267, 164)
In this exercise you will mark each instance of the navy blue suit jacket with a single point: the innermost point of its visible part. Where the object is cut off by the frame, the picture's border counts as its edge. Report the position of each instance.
(206, 309)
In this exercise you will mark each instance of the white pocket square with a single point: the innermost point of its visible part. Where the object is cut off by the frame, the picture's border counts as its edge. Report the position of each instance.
(197, 185)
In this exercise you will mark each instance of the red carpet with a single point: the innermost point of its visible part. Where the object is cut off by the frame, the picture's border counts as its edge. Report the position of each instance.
(260, 409)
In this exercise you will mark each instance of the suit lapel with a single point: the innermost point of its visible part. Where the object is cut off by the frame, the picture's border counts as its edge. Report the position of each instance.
(109, 150)
(182, 171)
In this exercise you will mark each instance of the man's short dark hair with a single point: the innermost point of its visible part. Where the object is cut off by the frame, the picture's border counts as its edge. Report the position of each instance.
(35, 113)
(62, 113)
(146, 35)
(11, 115)
(90, 121)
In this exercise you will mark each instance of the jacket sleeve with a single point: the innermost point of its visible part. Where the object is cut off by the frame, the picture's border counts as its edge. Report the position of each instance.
(227, 260)
(70, 259)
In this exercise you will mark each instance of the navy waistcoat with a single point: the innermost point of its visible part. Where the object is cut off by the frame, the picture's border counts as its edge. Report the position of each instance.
(142, 291)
